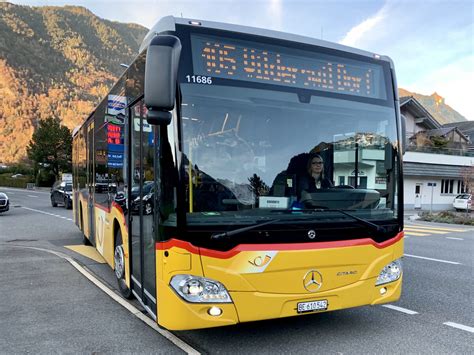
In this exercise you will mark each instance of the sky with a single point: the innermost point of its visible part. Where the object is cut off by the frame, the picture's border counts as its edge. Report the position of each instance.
(430, 41)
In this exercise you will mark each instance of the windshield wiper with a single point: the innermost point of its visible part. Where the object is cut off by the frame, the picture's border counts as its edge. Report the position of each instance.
(242, 230)
(376, 228)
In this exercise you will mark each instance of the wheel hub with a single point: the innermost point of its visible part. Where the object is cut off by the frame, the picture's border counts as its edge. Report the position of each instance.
(148, 208)
(119, 262)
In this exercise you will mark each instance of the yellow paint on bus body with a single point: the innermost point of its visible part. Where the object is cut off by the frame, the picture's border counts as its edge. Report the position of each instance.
(349, 275)
(105, 221)
(263, 284)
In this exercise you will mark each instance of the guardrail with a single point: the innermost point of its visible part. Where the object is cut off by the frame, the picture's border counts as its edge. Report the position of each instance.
(445, 151)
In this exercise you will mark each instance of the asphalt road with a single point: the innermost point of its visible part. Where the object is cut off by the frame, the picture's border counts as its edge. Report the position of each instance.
(48, 306)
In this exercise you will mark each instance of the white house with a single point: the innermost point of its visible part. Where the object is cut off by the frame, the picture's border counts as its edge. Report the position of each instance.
(433, 175)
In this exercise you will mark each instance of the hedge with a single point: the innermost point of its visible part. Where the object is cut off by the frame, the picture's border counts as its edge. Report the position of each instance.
(7, 181)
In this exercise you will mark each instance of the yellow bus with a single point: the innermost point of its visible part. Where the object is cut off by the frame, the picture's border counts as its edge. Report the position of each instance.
(235, 174)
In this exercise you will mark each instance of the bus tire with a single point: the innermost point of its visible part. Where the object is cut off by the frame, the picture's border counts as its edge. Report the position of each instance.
(85, 241)
(119, 265)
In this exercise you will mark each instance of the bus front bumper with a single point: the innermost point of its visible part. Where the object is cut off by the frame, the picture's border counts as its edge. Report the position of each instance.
(177, 314)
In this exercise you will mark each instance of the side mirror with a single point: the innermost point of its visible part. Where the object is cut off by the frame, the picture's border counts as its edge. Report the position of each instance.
(161, 71)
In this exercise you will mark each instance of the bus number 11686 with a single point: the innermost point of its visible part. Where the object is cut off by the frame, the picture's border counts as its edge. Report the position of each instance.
(199, 79)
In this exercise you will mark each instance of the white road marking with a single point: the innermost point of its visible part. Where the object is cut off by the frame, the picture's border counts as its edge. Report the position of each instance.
(400, 309)
(460, 326)
(414, 234)
(13, 191)
(432, 259)
(47, 213)
(453, 238)
(32, 196)
(437, 228)
(420, 230)
(130, 307)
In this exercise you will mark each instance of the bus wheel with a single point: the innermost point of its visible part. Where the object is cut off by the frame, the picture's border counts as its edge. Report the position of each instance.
(119, 266)
(148, 208)
(85, 241)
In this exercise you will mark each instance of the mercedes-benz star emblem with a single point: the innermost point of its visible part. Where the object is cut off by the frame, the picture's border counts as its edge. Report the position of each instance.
(312, 281)
(311, 234)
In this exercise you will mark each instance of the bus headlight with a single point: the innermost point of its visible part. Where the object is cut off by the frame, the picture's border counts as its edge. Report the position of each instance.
(390, 272)
(198, 289)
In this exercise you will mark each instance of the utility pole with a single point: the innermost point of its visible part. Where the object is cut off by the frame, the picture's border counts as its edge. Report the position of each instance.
(432, 184)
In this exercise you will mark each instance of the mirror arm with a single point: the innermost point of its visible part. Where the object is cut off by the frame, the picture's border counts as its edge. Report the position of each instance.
(158, 117)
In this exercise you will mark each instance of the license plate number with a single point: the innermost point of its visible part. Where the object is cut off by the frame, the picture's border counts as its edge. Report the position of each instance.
(312, 306)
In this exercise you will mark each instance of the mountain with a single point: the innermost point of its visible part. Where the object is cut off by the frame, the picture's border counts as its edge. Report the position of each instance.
(436, 106)
(56, 61)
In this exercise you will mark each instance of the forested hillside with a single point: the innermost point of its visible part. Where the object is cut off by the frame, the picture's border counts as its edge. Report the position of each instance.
(55, 61)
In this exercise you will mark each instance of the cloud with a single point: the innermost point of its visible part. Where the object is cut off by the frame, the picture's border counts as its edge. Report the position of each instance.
(436, 56)
(453, 82)
(276, 13)
(356, 33)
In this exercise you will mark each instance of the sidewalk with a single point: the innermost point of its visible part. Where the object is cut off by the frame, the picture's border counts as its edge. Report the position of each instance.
(411, 215)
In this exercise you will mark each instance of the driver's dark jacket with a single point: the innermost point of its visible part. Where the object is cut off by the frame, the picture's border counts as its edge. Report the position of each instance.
(308, 183)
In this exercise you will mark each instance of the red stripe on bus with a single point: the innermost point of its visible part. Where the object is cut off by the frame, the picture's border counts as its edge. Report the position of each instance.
(114, 204)
(103, 208)
(178, 244)
(120, 210)
(261, 247)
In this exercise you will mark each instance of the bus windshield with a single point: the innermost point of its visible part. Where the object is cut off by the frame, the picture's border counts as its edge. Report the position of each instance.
(254, 154)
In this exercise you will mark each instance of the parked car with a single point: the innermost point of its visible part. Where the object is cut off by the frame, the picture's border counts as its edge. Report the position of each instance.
(463, 202)
(147, 200)
(16, 176)
(147, 185)
(4, 202)
(61, 193)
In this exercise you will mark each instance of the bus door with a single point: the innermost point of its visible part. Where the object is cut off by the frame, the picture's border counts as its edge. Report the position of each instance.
(90, 181)
(143, 216)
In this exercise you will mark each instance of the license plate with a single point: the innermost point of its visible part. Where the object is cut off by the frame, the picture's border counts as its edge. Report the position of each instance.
(312, 306)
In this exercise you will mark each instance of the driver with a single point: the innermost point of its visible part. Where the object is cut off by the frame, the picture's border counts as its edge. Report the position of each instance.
(314, 178)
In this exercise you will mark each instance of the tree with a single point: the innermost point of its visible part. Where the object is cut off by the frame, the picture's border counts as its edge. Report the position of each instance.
(467, 175)
(439, 142)
(51, 146)
(258, 186)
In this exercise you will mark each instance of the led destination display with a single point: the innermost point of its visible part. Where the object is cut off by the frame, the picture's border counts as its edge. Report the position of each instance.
(250, 61)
